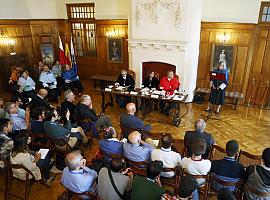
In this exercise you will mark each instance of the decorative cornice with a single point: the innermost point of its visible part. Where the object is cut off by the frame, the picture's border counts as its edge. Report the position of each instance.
(157, 45)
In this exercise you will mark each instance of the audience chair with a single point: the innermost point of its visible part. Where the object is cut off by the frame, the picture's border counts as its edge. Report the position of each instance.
(217, 153)
(247, 159)
(4, 177)
(178, 145)
(69, 195)
(171, 182)
(38, 137)
(238, 192)
(138, 168)
(27, 184)
(60, 146)
(157, 75)
(204, 188)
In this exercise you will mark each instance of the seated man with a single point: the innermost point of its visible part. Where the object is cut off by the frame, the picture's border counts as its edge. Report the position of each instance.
(187, 190)
(130, 121)
(196, 165)
(27, 85)
(6, 143)
(168, 83)
(258, 179)
(77, 177)
(111, 145)
(121, 177)
(39, 100)
(66, 133)
(18, 122)
(200, 125)
(228, 169)
(169, 158)
(68, 104)
(71, 79)
(136, 149)
(86, 115)
(148, 187)
(48, 81)
(124, 80)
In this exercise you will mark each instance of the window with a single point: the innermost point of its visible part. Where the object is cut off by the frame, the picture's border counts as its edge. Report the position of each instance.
(264, 16)
(83, 28)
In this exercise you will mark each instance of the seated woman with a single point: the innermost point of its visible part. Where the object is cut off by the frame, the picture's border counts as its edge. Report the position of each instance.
(71, 80)
(23, 156)
(151, 81)
(258, 179)
(63, 132)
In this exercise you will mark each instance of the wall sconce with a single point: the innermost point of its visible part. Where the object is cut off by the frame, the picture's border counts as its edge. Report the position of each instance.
(223, 37)
(5, 40)
(115, 33)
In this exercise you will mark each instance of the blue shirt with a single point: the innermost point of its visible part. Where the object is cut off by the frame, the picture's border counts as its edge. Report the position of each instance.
(136, 152)
(69, 75)
(18, 122)
(79, 181)
(26, 84)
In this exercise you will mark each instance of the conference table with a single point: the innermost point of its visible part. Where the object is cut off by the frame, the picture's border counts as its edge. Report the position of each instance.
(103, 80)
(147, 99)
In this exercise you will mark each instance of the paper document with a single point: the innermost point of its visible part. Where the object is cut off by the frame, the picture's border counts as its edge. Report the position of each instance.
(74, 130)
(222, 86)
(156, 142)
(134, 93)
(120, 88)
(43, 153)
(179, 98)
(157, 92)
(108, 89)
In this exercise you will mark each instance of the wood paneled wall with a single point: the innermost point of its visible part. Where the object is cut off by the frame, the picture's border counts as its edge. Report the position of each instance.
(242, 36)
(258, 90)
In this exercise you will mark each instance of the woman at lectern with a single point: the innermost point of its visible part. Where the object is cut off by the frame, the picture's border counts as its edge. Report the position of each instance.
(218, 87)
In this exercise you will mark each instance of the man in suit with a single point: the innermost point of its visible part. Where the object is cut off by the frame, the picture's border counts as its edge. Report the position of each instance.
(39, 100)
(130, 121)
(190, 136)
(124, 80)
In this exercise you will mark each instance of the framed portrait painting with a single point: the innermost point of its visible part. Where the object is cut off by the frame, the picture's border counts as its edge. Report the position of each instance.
(222, 53)
(47, 53)
(115, 50)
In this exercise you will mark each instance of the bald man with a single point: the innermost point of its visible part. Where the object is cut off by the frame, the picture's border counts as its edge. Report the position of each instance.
(136, 149)
(39, 100)
(77, 177)
(130, 121)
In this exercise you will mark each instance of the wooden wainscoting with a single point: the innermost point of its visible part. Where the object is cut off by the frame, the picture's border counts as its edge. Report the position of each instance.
(242, 36)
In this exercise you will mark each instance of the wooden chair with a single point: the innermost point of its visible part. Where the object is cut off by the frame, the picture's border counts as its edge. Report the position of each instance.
(254, 191)
(60, 146)
(172, 182)
(238, 192)
(247, 159)
(138, 168)
(204, 188)
(38, 137)
(27, 183)
(4, 177)
(217, 153)
(178, 145)
(69, 195)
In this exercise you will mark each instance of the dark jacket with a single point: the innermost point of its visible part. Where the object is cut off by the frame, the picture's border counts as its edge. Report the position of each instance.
(191, 135)
(56, 130)
(129, 81)
(154, 83)
(37, 126)
(67, 105)
(132, 122)
(84, 112)
(37, 101)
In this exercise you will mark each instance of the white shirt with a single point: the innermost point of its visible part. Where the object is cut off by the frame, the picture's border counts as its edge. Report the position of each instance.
(26, 84)
(169, 158)
(48, 79)
(196, 167)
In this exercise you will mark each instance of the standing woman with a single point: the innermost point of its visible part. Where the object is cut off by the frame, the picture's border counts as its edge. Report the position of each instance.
(217, 95)
(151, 81)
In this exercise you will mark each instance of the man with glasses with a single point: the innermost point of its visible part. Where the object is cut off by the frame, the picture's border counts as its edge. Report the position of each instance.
(87, 117)
(77, 177)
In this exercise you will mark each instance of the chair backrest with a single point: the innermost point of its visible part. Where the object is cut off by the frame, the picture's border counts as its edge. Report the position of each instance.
(38, 138)
(157, 75)
(238, 184)
(247, 159)
(138, 168)
(179, 146)
(29, 174)
(204, 188)
(172, 181)
(217, 153)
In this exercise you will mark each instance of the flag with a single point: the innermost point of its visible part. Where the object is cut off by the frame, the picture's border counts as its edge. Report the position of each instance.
(73, 59)
(67, 55)
(61, 53)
